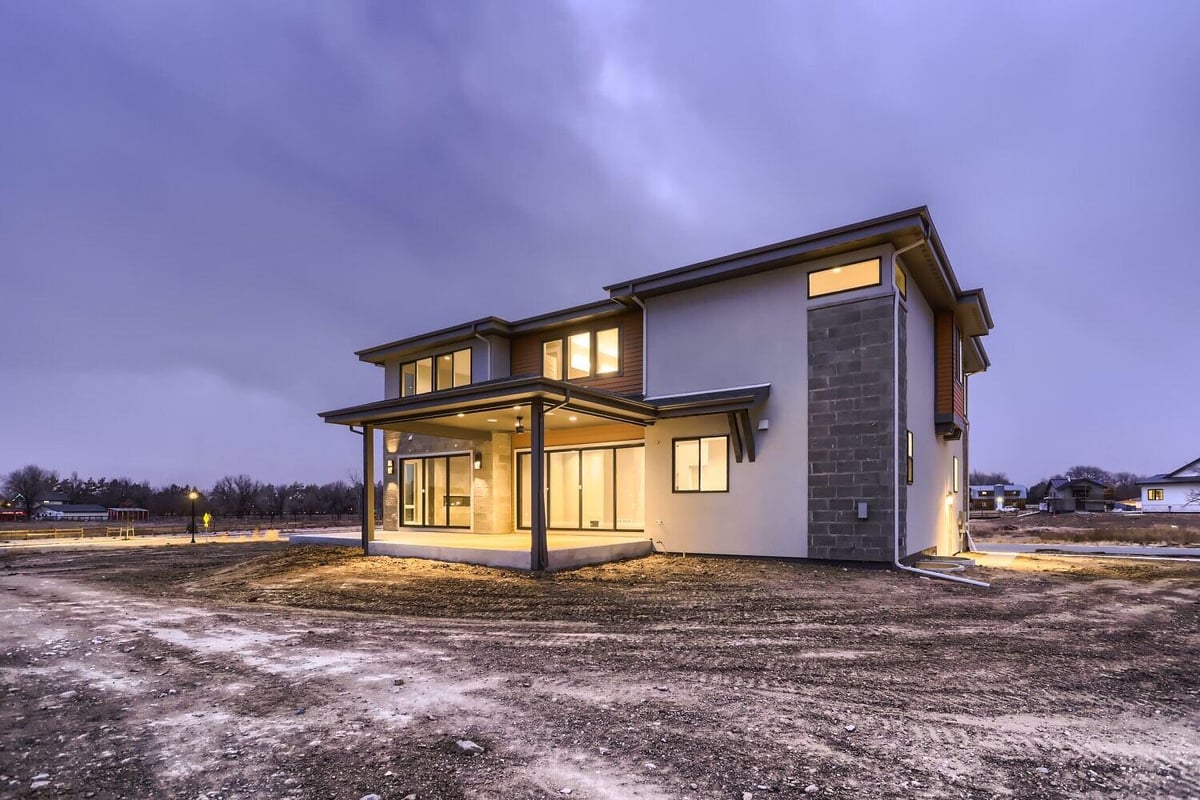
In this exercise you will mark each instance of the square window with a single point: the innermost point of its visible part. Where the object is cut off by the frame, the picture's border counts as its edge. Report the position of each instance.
(1154, 494)
(701, 464)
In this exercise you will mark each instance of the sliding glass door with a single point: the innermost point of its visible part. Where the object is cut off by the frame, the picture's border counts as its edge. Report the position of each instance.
(593, 488)
(436, 492)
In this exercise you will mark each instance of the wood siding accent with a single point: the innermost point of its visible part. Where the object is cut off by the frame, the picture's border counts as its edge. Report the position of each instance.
(526, 352)
(591, 434)
(950, 395)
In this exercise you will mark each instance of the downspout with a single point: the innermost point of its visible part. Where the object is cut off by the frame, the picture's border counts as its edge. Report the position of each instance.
(487, 342)
(896, 449)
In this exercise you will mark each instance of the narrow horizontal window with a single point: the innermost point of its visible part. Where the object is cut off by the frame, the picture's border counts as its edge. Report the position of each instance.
(444, 371)
(844, 278)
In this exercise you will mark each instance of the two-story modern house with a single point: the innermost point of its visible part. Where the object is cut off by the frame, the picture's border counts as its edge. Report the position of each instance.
(805, 399)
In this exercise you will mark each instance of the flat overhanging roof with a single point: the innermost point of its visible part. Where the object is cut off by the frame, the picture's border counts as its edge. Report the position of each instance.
(508, 392)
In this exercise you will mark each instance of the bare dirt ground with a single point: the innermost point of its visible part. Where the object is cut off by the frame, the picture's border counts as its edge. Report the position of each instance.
(261, 671)
(1107, 528)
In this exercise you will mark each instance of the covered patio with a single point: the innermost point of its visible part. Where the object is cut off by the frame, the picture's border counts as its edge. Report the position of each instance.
(508, 551)
(467, 508)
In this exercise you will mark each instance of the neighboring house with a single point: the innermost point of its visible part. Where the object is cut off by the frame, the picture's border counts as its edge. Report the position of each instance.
(13, 509)
(1077, 494)
(53, 499)
(999, 497)
(1177, 491)
(64, 512)
(803, 399)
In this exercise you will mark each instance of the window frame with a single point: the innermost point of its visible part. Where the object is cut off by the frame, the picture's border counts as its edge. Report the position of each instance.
(699, 473)
(901, 280)
(1154, 495)
(523, 524)
(434, 362)
(908, 459)
(957, 356)
(878, 279)
(564, 345)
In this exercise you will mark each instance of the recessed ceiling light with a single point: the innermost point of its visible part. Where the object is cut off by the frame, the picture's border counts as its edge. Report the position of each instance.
(492, 420)
(461, 414)
(549, 413)
(516, 408)
(572, 418)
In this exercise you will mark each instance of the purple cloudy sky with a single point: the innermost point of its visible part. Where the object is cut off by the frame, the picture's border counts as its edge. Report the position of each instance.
(206, 207)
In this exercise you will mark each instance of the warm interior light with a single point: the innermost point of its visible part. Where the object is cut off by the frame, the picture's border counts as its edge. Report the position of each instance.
(572, 418)
(492, 420)
(461, 414)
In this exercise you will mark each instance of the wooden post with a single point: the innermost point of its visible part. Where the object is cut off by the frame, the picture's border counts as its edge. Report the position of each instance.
(368, 493)
(539, 553)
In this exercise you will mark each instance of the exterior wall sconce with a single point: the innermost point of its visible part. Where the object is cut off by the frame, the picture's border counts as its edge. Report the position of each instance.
(520, 427)
(478, 460)
(390, 467)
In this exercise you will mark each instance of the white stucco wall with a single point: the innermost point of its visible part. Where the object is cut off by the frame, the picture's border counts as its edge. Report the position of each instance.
(931, 522)
(1175, 496)
(736, 333)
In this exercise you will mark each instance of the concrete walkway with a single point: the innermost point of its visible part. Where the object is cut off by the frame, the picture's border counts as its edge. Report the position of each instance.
(49, 545)
(506, 550)
(1088, 550)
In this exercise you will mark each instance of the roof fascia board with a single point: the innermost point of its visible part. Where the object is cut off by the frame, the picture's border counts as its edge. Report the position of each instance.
(486, 326)
(764, 258)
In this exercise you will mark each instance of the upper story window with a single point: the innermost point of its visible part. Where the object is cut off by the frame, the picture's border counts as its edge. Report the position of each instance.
(901, 280)
(583, 355)
(443, 371)
(845, 278)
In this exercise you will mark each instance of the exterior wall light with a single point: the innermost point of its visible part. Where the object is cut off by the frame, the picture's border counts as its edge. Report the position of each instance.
(520, 427)
(390, 467)
(478, 460)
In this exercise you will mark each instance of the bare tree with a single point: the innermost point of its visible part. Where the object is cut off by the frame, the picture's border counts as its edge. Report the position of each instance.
(32, 483)
(1192, 499)
(988, 478)
(236, 494)
(1093, 473)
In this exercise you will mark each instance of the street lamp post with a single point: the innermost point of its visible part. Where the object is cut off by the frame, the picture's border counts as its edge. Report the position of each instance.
(192, 495)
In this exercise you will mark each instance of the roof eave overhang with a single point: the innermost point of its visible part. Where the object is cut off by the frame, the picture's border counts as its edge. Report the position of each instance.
(487, 396)
(488, 326)
(749, 262)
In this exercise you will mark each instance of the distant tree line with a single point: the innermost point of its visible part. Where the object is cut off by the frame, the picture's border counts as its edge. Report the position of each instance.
(232, 495)
(1123, 484)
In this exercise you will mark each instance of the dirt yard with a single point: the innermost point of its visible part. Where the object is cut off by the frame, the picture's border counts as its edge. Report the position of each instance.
(259, 671)
(1106, 528)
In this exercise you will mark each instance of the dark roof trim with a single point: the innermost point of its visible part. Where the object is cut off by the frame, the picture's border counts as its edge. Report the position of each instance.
(1167, 478)
(767, 257)
(506, 391)
(488, 326)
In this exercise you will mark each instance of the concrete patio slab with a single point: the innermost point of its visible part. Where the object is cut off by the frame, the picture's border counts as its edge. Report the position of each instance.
(505, 550)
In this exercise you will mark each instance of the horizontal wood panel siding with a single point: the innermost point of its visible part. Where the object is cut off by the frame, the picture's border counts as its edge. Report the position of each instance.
(526, 352)
(944, 344)
(592, 434)
(960, 401)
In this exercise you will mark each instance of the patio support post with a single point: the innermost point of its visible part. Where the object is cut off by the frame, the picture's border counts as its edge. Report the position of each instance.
(368, 493)
(539, 554)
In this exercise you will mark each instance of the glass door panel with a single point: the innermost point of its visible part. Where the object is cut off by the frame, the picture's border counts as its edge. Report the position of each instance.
(631, 488)
(564, 489)
(598, 489)
(459, 498)
(525, 504)
(435, 495)
(412, 492)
